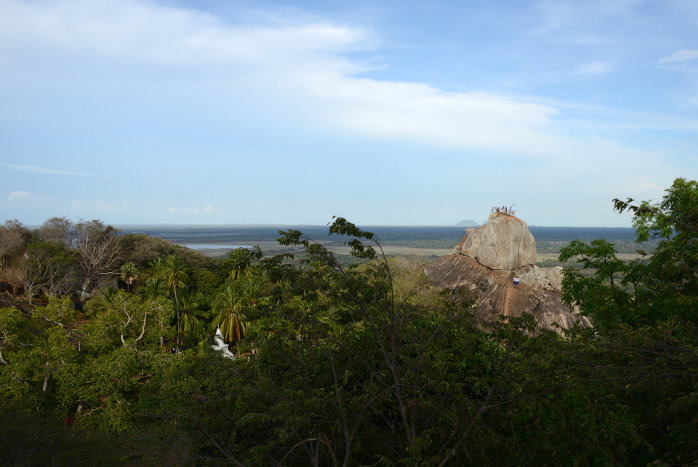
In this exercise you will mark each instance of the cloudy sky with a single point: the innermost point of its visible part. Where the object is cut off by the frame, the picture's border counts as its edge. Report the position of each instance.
(387, 112)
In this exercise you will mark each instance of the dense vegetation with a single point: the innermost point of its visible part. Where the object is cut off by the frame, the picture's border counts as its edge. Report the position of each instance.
(339, 364)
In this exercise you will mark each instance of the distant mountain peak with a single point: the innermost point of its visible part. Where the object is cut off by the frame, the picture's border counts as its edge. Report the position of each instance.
(467, 223)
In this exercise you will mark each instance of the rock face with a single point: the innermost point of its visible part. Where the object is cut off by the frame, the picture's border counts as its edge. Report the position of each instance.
(485, 263)
(543, 278)
(504, 242)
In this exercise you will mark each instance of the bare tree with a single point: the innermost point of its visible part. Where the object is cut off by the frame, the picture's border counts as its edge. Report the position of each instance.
(13, 276)
(57, 230)
(49, 267)
(97, 248)
(13, 238)
(33, 276)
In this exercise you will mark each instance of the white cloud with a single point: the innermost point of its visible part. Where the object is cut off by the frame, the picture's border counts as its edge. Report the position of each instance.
(298, 70)
(26, 196)
(188, 210)
(593, 68)
(144, 31)
(17, 195)
(680, 56)
(677, 61)
(298, 67)
(47, 170)
(98, 205)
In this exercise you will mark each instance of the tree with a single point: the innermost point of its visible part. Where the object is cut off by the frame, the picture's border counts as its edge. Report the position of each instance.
(51, 268)
(239, 261)
(352, 375)
(13, 238)
(129, 274)
(153, 287)
(97, 248)
(190, 311)
(654, 288)
(669, 283)
(346, 368)
(12, 326)
(57, 230)
(124, 320)
(176, 274)
(230, 305)
(603, 290)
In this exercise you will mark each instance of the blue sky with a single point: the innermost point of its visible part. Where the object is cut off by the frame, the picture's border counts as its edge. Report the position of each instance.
(384, 112)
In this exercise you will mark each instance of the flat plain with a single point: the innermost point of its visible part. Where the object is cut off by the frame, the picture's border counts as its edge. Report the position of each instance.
(418, 241)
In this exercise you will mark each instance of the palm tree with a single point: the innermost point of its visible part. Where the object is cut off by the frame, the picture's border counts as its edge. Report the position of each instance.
(129, 274)
(239, 261)
(188, 311)
(176, 274)
(153, 287)
(253, 290)
(230, 306)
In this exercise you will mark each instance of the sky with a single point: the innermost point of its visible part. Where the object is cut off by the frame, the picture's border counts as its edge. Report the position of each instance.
(386, 112)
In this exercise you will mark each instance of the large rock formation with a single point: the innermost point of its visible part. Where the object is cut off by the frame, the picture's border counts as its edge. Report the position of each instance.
(485, 263)
(504, 242)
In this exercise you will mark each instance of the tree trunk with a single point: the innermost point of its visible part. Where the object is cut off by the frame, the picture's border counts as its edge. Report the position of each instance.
(174, 287)
(2, 360)
(48, 375)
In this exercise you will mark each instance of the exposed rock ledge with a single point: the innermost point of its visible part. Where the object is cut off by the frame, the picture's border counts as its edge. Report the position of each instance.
(485, 263)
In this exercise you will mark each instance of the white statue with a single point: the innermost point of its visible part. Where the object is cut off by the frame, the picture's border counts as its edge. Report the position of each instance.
(221, 346)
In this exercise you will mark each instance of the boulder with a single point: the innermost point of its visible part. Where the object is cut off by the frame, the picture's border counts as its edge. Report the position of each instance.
(504, 242)
(485, 263)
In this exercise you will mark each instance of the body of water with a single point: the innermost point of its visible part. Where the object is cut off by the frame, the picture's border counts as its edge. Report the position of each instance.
(213, 246)
(231, 237)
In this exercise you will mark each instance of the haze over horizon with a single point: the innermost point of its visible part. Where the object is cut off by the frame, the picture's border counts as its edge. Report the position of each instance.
(214, 112)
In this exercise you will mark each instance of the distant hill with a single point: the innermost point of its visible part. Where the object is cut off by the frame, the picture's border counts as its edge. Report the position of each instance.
(467, 223)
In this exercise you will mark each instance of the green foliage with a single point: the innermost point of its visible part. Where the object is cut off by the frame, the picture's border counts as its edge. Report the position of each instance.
(239, 261)
(655, 288)
(230, 306)
(602, 290)
(360, 364)
(341, 226)
(154, 287)
(142, 250)
(175, 272)
(669, 279)
(676, 216)
(205, 282)
(129, 274)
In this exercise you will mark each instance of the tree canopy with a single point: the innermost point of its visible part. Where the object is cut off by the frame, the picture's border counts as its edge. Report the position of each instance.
(657, 287)
(360, 363)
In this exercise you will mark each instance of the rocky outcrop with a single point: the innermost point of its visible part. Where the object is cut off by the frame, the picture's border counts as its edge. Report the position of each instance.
(504, 242)
(543, 278)
(485, 263)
